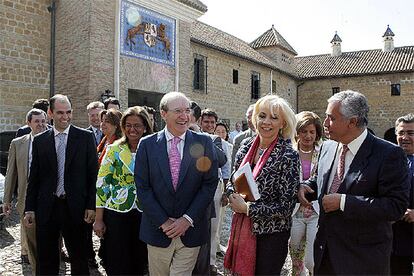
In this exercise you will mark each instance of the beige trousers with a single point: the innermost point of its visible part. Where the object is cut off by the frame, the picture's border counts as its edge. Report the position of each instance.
(176, 259)
(28, 243)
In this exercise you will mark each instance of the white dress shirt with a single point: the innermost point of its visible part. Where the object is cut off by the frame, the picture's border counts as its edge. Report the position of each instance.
(353, 147)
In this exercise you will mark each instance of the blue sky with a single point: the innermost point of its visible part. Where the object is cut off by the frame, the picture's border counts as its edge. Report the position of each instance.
(309, 25)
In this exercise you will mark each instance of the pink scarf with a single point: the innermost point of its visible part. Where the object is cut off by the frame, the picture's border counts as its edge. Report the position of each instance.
(240, 257)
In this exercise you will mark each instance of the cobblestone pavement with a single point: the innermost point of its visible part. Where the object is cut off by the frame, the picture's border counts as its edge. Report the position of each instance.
(10, 263)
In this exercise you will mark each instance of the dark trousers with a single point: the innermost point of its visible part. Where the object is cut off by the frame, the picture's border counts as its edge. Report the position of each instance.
(271, 252)
(89, 243)
(401, 265)
(48, 246)
(125, 253)
(325, 268)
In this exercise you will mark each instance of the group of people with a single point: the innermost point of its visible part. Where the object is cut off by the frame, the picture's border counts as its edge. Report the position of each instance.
(337, 198)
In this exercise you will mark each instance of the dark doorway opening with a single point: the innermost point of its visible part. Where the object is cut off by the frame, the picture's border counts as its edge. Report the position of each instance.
(148, 98)
(390, 135)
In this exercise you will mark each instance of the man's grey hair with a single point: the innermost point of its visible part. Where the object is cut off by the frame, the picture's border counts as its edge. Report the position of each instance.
(407, 119)
(34, 111)
(353, 104)
(167, 98)
(94, 105)
(249, 109)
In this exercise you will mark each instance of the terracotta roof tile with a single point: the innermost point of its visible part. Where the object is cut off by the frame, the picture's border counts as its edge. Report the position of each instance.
(272, 38)
(196, 4)
(217, 39)
(366, 62)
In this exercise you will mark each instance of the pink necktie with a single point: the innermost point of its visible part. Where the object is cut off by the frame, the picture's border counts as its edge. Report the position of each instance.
(175, 161)
(339, 175)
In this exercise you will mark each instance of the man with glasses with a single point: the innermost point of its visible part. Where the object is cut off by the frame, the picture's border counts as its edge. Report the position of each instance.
(176, 177)
(402, 256)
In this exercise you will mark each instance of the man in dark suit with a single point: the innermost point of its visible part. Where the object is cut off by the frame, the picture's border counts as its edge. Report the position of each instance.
(176, 174)
(402, 256)
(61, 190)
(94, 109)
(362, 187)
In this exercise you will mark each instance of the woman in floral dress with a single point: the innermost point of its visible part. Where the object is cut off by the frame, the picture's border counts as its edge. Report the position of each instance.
(118, 212)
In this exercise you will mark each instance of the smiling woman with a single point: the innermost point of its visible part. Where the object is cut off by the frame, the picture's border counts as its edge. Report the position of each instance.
(265, 224)
(118, 211)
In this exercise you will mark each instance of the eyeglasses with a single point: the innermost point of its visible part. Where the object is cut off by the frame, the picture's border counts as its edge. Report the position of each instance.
(136, 126)
(177, 111)
(408, 132)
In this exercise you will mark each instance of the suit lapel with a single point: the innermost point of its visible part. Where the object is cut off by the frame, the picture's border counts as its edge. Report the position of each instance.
(162, 157)
(185, 162)
(23, 152)
(51, 149)
(71, 146)
(359, 162)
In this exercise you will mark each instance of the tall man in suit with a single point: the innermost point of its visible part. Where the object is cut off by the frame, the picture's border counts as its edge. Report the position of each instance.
(362, 187)
(402, 256)
(93, 109)
(61, 190)
(176, 177)
(20, 158)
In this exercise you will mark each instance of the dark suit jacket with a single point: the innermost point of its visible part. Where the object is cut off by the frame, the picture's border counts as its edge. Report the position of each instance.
(359, 239)
(403, 232)
(194, 192)
(23, 130)
(80, 174)
(94, 137)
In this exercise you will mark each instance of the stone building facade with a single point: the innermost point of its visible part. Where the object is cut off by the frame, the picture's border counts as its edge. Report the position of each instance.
(212, 67)
(24, 58)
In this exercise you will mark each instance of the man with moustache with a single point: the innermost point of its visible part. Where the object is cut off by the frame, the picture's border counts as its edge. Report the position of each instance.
(362, 187)
(176, 177)
(61, 190)
(402, 256)
(20, 159)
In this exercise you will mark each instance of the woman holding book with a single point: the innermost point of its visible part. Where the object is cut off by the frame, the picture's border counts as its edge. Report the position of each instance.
(260, 231)
(305, 219)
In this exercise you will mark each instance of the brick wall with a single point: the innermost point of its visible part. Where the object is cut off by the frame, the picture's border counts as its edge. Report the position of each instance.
(384, 108)
(24, 58)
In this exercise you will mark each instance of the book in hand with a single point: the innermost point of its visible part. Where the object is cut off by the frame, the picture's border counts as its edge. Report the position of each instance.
(244, 183)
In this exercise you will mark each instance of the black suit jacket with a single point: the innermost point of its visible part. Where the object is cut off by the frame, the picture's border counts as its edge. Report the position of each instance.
(80, 174)
(359, 239)
(94, 137)
(403, 232)
(23, 130)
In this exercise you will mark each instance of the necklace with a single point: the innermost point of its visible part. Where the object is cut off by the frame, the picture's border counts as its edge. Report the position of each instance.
(261, 151)
(306, 152)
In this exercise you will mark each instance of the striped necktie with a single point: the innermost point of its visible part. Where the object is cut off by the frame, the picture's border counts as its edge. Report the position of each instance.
(61, 155)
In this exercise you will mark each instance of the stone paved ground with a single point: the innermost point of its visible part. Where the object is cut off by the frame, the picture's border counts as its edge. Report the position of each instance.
(10, 250)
